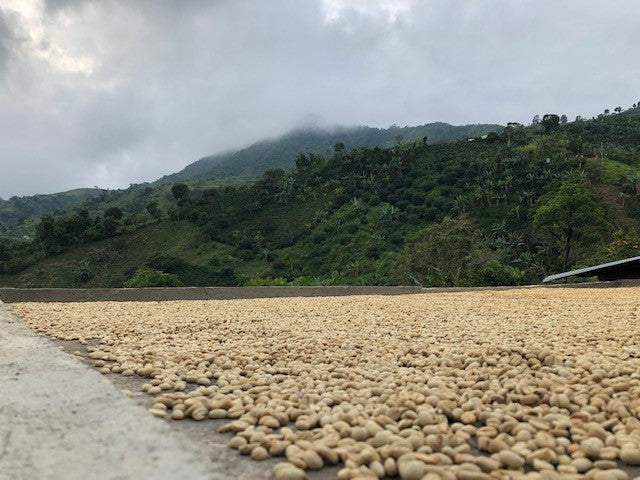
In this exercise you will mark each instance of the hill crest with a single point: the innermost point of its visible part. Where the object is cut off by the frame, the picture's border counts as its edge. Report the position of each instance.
(281, 151)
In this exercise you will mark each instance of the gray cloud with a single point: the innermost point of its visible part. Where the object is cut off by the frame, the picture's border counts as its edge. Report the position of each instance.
(111, 92)
(6, 41)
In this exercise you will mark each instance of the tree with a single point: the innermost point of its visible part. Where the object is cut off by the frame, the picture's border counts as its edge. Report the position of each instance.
(308, 167)
(5, 250)
(442, 254)
(617, 109)
(625, 244)
(147, 277)
(550, 122)
(569, 216)
(338, 148)
(514, 131)
(271, 182)
(113, 212)
(536, 120)
(152, 208)
(460, 203)
(110, 226)
(623, 196)
(179, 191)
(632, 183)
(111, 221)
(50, 236)
(563, 118)
(492, 137)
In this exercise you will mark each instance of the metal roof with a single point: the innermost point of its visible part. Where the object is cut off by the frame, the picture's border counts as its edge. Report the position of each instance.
(608, 271)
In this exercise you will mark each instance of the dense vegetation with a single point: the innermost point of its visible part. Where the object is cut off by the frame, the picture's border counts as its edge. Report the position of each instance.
(282, 152)
(19, 215)
(505, 209)
(17, 212)
(22, 214)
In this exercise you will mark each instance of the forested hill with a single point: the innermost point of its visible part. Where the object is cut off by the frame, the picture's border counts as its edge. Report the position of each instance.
(508, 208)
(282, 152)
(18, 210)
(18, 215)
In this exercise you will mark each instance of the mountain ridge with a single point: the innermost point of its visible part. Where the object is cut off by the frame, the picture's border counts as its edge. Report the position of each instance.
(281, 151)
(483, 212)
(18, 214)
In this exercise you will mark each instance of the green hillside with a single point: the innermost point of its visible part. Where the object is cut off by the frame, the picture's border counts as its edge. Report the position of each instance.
(506, 209)
(15, 211)
(282, 152)
(19, 215)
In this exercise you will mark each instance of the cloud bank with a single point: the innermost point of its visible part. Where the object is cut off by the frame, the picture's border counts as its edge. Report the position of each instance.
(110, 92)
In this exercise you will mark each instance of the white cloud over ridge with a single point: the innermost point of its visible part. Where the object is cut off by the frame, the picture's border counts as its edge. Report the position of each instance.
(388, 10)
(108, 92)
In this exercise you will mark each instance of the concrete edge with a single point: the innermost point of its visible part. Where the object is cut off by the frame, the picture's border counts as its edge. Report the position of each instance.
(60, 419)
(18, 295)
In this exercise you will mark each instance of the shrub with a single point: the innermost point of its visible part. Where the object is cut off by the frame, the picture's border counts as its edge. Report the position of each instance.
(266, 282)
(113, 212)
(228, 277)
(319, 237)
(164, 263)
(246, 255)
(83, 272)
(443, 254)
(147, 277)
(245, 244)
(494, 273)
(13, 266)
(373, 251)
(396, 238)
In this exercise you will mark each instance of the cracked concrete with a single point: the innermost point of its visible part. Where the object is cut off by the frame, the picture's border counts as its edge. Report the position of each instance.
(47, 433)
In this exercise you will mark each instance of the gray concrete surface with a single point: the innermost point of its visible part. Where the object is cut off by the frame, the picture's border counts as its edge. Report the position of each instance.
(15, 295)
(61, 420)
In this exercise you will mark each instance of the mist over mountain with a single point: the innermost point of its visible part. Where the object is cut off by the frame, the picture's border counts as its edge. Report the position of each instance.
(282, 151)
(18, 214)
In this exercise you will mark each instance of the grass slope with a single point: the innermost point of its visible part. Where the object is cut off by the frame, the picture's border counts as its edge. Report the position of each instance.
(114, 260)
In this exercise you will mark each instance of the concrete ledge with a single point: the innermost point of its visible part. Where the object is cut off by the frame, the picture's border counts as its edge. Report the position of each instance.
(61, 420)
(17, 295)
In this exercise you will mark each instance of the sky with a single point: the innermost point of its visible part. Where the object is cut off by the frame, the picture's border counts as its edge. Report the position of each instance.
(111, 92)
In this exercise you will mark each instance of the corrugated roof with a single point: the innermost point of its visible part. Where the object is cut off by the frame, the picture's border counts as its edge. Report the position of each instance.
(590, 271)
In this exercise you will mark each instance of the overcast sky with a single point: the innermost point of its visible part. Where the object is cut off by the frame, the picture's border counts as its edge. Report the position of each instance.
(110, 92)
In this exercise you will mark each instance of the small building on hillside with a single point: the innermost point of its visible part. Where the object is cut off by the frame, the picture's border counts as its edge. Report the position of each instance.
(629, 268)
